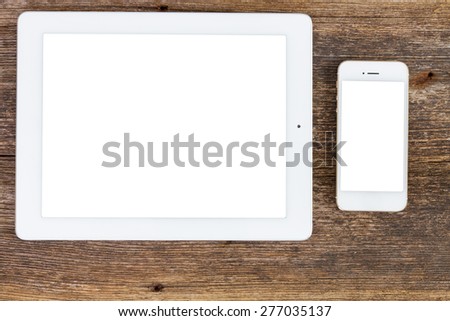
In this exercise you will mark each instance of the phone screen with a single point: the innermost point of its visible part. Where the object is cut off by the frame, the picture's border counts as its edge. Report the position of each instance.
(372, 136)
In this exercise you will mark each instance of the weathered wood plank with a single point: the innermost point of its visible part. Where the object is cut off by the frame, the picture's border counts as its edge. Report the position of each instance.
(360, 255)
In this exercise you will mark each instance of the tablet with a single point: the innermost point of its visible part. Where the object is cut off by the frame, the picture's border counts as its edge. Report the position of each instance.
(164, 126)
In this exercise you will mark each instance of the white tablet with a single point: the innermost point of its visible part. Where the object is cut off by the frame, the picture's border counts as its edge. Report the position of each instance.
(164, 126)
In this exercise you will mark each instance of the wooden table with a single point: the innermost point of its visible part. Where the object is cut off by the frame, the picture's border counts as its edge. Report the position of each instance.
(356, 256)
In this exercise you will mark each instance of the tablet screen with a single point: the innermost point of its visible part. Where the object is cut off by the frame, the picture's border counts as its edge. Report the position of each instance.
(164, 126)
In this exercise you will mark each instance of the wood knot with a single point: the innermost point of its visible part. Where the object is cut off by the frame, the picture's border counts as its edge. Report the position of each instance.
(158, 287)
(422, 78)
(163, 7)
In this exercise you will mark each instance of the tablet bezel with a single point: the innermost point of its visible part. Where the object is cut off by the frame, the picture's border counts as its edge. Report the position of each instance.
(30, 225)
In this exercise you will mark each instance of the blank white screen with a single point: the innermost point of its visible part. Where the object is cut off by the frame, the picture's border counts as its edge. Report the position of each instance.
(222, 88)
(372, 127)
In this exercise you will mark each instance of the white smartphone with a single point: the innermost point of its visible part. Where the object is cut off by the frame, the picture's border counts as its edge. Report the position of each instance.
(372, 136)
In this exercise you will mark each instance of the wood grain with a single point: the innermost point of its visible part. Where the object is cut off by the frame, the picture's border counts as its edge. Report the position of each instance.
(401, 256)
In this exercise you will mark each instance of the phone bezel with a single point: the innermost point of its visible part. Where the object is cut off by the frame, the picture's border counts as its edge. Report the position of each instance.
(373, 71)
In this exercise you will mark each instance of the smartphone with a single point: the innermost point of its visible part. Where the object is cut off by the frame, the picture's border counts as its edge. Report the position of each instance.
(372, 136)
